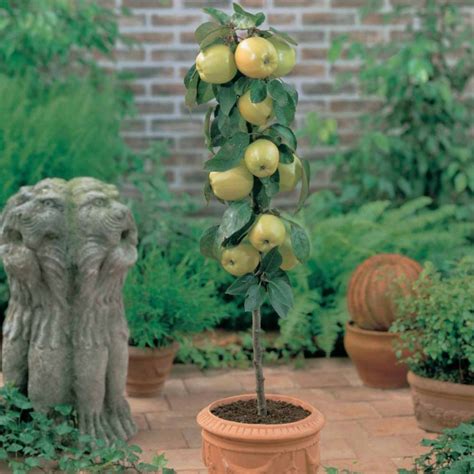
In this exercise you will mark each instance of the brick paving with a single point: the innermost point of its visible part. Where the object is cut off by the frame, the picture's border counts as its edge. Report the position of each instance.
(367, 430)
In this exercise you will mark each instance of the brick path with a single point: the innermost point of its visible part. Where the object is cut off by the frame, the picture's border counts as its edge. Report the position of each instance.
(367, 430)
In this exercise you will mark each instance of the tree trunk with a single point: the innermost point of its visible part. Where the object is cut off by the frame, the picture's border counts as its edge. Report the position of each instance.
(257, 362)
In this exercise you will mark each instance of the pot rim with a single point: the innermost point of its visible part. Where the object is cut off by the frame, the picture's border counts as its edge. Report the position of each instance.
(146, 352)
(308, 426)
(426, 384)
(352, 327)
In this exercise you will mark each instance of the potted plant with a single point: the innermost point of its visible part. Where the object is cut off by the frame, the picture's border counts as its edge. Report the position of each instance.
(253, 158)
(371, 298)
(165, 300)
(436, 327)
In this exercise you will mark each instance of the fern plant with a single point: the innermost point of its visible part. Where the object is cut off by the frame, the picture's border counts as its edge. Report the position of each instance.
(166, 300)
(343, 241)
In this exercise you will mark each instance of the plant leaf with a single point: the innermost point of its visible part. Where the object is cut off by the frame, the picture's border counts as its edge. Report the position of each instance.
(210, 242)
(285, 134)
(239, 215)
(191, 93)
(283, 36)
(300, 242)
(271, 261)
(254, 297)
(218, 15)
(280, 296)
(227, 98)
(230, 154)
(242, 284)
(258, 91)
(305, 177)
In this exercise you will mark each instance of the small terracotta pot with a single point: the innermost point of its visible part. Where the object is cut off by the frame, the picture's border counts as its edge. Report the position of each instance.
(148, 369)
(440, 405)
(229, 446)
(374, 357)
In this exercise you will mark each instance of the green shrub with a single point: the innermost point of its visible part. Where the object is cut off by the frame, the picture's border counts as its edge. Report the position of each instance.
(68, 130)
(436, 325)
(342, 241)
(51, 442)
(451, 453)
(52, 38)
(165, 300)
(417, 142)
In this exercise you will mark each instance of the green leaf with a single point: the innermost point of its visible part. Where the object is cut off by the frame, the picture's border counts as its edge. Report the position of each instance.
(285, 134)
(239, 215)
(254, 297)
(242, 284)
(291, 92)
(305, 177)
(283, 36)
(258, 91)
(207, 127)
(242, 84)
(230, 154)
(300, 242)
(192, 90)
(243, 19)
(205, 93)
(210, 242)
(227, 98)
(219, 15)
(278, 92)
(208, 193)
(189, 75)
(286, 154)
(280, 296)
(271, 184)
(460, 182)
(230, 124)
(205, 29)
(285, 115)
(335, 50)
(271, 261)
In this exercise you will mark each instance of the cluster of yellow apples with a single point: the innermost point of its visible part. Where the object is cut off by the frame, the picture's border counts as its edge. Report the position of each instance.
(256, 58)
(268, 232)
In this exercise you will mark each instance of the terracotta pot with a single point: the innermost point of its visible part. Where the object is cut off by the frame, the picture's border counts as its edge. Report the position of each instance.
(374, 357)
(148, 369)
(230, 447)
(370, 300)
(440, 405)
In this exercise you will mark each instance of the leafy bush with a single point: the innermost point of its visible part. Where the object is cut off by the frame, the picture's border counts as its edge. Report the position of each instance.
(417, 142)
(31, 440)
(165, 299)
(52, 38)
(342, 241)
(68, 130)
(451, 453)
(436, 325)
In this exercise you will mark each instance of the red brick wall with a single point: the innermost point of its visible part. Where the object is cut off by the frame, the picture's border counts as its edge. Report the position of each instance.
(165, 28)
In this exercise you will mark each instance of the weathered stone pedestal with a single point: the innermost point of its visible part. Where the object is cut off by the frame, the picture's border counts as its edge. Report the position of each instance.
(66, 247)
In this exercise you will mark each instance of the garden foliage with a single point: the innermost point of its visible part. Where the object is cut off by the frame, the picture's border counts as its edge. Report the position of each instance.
(436, 325)
(166, 299)
(51, 442)
(417, 141)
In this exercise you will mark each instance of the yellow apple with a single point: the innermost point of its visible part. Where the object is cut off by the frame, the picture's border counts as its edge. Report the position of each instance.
(233, 184)
(268, 232)
(256, 57)
(240, 260)
(286, 251)
(255, 113)
(290, 174)
(262, 158)
(216, 64)
(286, 57)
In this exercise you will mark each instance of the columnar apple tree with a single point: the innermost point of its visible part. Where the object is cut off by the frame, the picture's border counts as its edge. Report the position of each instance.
(253, 158)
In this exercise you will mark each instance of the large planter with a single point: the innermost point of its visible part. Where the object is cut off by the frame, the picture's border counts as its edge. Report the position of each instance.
(374, 357)
(231, 447)
(148, 369)
(439, 405)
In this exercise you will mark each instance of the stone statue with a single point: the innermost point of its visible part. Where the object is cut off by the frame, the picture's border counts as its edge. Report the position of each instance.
(66, 247)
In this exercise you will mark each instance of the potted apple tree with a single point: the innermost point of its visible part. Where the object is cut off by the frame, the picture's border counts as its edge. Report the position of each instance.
(253, 158)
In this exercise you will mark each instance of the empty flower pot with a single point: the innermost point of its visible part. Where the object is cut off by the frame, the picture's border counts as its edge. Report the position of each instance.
(373, 355)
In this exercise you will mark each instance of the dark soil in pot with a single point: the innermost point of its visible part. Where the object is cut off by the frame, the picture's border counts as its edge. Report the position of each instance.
(245, 411)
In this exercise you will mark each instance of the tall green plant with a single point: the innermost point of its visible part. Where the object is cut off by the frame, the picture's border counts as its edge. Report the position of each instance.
(417, 142)
(251, 181)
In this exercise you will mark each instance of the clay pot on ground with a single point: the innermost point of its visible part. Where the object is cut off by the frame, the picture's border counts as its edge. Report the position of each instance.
(374, 357)
(229, 446)
(148, 369)
(439, 405)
